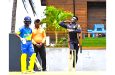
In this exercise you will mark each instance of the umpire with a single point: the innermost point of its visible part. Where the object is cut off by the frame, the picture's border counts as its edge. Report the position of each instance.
(38, 39)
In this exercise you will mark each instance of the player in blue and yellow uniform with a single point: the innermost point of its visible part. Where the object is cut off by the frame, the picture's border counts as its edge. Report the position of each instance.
(25, 35)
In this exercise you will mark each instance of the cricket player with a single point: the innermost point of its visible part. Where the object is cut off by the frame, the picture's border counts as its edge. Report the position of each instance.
(38, 39)
(25, 35)
(73, 29)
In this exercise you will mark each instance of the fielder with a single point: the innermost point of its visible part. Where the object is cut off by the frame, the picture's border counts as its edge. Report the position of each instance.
(74, 29)
(25, 35)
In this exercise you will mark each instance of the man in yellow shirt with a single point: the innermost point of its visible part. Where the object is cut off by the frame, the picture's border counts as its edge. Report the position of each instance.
(38, 39)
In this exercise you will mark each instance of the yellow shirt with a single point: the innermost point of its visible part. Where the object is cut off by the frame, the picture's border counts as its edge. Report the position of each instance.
(38, 35)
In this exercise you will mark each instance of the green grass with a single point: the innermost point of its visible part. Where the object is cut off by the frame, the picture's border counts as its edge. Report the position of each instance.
(94, 42)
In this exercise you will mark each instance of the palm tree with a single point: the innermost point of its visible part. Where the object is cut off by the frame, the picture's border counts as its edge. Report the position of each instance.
(14, 12)
(53, 17)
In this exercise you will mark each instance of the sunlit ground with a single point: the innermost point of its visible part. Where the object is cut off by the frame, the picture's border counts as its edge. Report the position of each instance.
(62, 73)
(88, 60)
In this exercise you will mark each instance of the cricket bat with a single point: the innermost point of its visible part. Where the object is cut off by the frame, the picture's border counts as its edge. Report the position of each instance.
(38, 64)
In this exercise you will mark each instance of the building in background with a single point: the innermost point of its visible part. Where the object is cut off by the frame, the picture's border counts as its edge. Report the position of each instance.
(89, 12)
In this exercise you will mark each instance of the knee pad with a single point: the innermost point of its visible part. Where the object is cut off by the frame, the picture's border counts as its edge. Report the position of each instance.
(23, 62)
(32, 61)
(33, 56)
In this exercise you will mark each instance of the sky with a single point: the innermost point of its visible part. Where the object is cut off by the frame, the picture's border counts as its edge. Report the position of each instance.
(5, 26)
(21, 13)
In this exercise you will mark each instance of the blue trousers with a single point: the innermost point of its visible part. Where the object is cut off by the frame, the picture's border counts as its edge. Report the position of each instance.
(27, 48)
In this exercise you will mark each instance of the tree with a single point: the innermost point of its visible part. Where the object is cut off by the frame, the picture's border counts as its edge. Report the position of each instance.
(53, 17)
(14, 12)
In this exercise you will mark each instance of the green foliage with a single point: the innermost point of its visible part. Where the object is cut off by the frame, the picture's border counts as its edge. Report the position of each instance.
(62, 42)
(54, 16)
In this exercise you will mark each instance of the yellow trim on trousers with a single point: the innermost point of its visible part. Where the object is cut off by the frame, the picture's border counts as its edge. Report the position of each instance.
(23, 62)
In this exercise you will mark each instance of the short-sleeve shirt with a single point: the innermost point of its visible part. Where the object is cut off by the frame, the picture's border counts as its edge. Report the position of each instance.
(38, 35)
(25, 32)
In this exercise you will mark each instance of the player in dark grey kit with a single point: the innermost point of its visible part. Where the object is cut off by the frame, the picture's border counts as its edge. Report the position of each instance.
(74, 29)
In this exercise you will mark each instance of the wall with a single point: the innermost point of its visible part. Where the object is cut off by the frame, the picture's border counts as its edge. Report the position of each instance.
(81, 9)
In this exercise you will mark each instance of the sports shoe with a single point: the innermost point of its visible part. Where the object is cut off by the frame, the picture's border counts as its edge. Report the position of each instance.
(44, 70)
(31, 71)
(24, 72)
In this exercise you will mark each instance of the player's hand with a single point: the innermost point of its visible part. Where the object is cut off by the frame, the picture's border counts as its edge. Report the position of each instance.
(70, 30)
(67, 21)
(39, 45)
(23, 40)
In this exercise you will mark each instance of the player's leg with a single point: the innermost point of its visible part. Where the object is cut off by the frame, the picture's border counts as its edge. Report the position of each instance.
(23, 62)
(31, 63)
(70, 62)
(32, 55)
(74, 58)
(76, 47)
(71, 47)
(23, 58)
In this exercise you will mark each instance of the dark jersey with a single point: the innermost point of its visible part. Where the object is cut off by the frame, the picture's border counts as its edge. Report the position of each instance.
(73, 29)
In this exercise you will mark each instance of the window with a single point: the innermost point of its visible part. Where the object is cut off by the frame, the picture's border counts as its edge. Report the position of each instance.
(99, 29)
(43, 2)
